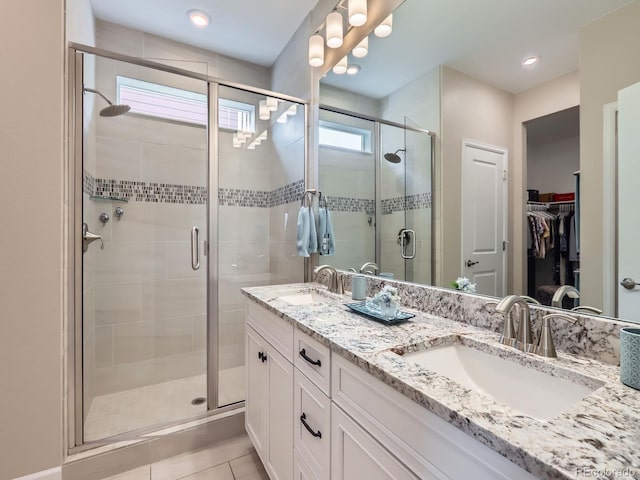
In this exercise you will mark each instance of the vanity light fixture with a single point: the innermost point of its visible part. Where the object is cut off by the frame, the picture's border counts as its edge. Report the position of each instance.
(251, 146)
(272, 104)
(282, 118)
(334, 30)
(263, 135)
(357, 12)
(530, 61)
(292, 110)
(263, 111)
(353, 69)
(341, 66)
(316, 50)
(385, 28)
(361, 49)
(199, 18)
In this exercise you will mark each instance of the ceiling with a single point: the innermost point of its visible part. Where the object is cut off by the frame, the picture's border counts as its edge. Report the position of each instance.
(485, 39)
(252, 30)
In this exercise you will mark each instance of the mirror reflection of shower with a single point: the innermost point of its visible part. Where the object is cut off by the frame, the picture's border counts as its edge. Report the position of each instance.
(113, 109)
(394, 157)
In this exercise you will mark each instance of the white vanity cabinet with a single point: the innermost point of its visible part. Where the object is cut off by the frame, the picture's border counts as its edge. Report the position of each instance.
(313, 415)
(269, 402)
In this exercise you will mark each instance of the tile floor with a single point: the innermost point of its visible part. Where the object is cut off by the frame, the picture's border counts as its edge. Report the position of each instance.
(234, 459)
(129, 410)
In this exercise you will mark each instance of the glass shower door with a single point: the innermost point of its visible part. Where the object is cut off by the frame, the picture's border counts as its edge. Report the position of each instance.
(405, 201)
(260, 180)
(145, 226)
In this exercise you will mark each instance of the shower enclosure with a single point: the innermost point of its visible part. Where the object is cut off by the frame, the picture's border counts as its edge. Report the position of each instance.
(377, 177)
(180, 202)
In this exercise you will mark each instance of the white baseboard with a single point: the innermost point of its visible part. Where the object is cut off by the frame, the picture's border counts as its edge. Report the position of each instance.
(51, 474)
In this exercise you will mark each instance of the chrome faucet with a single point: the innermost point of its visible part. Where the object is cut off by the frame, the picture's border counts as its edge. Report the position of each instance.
(335, 285)
(567, 290)
(523, 340)
(545, 341)
(371, 265)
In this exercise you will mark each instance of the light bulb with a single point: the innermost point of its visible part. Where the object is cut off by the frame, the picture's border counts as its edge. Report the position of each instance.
(353, 69)
(272, 104)
(316, 50)
(341, 66)
(357, 12)
(198, 18)
(334, 30)
(385, 28)
(362, 48)
(264, 113)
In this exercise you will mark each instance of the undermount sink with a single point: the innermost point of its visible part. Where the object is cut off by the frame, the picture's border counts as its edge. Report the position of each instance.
(305, 297)
(529, 391)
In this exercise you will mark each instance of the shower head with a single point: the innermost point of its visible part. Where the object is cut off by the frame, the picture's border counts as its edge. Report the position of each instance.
(394, 157)
(113, 110)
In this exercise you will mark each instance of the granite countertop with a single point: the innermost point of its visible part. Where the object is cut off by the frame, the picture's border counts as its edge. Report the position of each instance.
(600, 432)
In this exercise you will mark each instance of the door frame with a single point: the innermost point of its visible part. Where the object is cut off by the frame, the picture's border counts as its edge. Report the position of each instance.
(466, 142)
(72, 337)
(610, 210)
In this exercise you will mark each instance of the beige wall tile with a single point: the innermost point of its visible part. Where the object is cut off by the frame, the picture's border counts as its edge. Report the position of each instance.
(103, 347)
(173, 298)
(130, 262)
(116, 159)
(118, 303)
(173, 164)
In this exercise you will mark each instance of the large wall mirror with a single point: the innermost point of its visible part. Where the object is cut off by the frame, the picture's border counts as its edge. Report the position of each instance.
(456, 73)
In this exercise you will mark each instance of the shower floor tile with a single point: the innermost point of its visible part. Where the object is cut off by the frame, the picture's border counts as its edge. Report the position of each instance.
(121, 412)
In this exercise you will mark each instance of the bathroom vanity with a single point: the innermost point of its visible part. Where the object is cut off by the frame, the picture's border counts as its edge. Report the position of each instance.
(334, 395)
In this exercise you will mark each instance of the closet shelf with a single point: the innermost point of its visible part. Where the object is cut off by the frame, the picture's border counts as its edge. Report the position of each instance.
(551, 203)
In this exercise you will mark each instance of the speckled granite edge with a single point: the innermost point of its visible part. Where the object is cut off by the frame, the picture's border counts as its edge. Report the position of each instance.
(591, 336)
(602, 431)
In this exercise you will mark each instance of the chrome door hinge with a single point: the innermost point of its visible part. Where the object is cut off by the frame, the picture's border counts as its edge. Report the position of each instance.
(504, 175)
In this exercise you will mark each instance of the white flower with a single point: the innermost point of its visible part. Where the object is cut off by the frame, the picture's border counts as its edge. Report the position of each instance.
(464, 284)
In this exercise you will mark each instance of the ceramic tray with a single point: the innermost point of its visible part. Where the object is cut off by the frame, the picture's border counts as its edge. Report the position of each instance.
(363, 309)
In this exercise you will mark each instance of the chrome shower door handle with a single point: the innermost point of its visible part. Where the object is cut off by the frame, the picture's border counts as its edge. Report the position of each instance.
(88, 238)
(411, 238)
(195, 248)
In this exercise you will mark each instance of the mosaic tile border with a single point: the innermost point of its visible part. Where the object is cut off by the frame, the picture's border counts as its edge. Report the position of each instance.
(351, 205)
(190, 194)
(410, 202)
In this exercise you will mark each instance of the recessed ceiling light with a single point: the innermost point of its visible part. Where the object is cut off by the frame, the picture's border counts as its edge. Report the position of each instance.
(529, 61)
(353, 69)
(198, 18)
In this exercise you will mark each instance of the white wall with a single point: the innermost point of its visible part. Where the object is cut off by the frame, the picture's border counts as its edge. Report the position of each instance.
(31, 264)
(473, 110)
(550, 166)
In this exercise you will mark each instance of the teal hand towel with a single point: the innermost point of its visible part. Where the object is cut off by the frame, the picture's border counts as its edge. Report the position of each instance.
(313, 235)
(326, 240)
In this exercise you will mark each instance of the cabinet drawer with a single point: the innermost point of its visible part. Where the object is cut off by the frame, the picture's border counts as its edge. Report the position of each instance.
(312, 423)
(427, 444)
(313, 359)
(275, 330)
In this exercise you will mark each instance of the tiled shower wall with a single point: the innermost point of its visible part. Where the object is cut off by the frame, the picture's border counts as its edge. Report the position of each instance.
(147, 320)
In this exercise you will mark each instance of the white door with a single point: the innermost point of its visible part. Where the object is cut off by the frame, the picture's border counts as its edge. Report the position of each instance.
(628, 208)
(484, 189)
